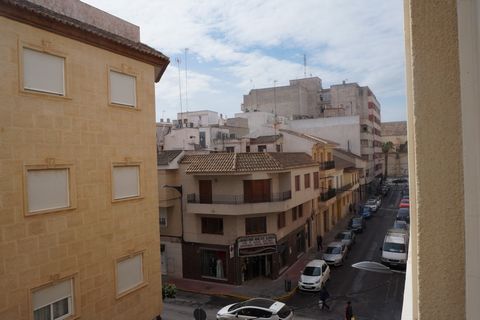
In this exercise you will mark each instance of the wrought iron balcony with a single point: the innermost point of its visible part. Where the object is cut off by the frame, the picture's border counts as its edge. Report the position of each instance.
(327, 165)
(240, 199)
(328, 194)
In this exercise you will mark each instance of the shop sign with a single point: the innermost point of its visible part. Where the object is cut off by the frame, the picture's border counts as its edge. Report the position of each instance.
(257, 241)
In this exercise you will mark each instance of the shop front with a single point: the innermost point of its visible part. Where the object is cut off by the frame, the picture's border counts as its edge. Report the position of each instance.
(256, 256)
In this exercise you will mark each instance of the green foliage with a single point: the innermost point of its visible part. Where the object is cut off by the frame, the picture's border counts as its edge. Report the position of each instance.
(169, 291)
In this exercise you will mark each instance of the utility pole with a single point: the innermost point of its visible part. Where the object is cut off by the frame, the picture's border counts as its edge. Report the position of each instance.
(275, 106)
(180, 92)
(186, 81)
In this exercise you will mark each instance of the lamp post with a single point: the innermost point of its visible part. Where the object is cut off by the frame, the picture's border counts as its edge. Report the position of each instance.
(179, 190)
(374, 266)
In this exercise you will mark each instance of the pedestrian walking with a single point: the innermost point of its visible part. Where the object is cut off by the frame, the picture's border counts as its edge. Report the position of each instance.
(319, 243)
(348, 311)
(324, 295)
(350, 208)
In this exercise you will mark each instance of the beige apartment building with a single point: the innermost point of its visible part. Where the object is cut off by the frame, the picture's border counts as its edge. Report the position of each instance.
(443, 72)
(248, 215)
(79, 234)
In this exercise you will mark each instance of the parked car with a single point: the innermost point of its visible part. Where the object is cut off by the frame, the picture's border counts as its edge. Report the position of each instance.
(384, 190)
(365, 212)
(347, 237)
(403, 214)
(395, 248)
(257, 308)
(335, 253)
(404, 203)
(314, 276)
(372, 204)
(400, 224)
(357, 224)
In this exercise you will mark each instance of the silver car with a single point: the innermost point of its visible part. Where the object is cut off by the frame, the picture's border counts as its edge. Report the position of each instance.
(258, 308)
(335, 253)
(347, 237)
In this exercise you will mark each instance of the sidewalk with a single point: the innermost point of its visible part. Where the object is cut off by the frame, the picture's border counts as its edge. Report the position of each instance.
(273, 289)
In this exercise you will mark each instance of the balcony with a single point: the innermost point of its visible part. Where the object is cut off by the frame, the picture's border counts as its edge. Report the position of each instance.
(325, 196)
(239, 199)
(345, 188)
(236, 204)
(327, 165)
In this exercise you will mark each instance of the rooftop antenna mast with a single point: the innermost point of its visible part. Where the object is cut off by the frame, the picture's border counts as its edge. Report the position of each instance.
(186, 81)
(304, 65)
(180, 92)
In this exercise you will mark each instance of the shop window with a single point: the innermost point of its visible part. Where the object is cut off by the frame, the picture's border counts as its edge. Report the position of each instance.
(300, 241)
(122, 89)
(306, 178)
(126, 181)
(212, 225)
(48, 189)
(43, 72)
(54, 301)
(281, 220)
(256, 225)
(297, 183)
(315, 180)
(214, 264)
(283, 254)
(129, 273)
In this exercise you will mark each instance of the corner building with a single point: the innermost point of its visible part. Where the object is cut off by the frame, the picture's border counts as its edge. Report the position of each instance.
(79, 235)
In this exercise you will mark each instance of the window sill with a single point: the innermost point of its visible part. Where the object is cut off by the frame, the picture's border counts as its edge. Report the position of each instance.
(129, 291)
(49, 211)
(45, 94)
(127, 199)
(123, 106)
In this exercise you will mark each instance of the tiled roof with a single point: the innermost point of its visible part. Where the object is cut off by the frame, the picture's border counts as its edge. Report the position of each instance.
(348, 153)
(246, 162)
(310, 137)
(264, 139)
(165, 157)
(44, 18)
(395, 128)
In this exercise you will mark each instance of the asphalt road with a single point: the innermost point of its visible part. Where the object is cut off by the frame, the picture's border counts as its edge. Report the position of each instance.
(374, 296)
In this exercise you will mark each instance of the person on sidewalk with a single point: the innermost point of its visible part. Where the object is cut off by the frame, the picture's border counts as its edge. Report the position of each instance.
(348, 311)
(319, 243)
(324, 295)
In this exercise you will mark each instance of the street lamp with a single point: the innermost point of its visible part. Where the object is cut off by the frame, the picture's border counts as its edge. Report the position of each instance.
(375, 267)
(179, 190)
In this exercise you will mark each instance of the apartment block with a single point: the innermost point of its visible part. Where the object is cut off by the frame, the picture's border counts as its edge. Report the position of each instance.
(79, 234)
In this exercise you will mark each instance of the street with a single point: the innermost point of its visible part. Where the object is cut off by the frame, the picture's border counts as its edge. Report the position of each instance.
(373, 295)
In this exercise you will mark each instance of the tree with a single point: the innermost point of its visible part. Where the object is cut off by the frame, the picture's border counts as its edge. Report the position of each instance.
(386, 147)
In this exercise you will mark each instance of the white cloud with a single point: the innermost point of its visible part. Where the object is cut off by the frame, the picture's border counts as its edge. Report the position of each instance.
(245, 42)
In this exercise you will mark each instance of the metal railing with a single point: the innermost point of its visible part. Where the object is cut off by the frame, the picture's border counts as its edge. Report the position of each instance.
(240, 199)
(328, 194)
(327, 165)
(345, 188)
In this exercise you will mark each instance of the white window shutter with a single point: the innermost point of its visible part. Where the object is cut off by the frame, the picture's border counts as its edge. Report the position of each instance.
(122, 89)
(47, 189)
(52, 293)
(43, 72)
(126, 182)
(129, 273)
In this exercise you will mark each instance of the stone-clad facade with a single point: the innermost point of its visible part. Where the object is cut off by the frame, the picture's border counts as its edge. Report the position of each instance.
(85, 245)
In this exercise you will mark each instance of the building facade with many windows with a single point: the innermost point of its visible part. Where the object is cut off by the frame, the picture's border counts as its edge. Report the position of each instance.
(78, 202)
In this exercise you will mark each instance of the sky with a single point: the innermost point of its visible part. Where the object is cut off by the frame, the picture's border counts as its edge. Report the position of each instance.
(229, 47)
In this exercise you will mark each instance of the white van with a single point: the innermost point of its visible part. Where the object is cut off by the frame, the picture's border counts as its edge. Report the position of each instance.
(395, 248)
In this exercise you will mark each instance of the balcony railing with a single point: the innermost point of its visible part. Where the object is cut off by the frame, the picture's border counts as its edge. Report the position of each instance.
(328, 194)
(239, 199)
(327, 165)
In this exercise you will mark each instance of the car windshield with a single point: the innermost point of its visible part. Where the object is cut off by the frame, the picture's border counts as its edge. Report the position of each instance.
(357, 221)
(312, 271)
(394, 247)
(333, 250)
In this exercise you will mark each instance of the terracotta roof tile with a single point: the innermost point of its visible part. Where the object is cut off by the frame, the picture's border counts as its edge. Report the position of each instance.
(246, 162)
(165, 157)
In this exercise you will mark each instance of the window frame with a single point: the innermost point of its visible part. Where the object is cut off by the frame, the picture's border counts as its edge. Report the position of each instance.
(138, 164)
(297, 183)
(256, 230)
(50, 165)
(205, 231)
(45, 50)
(122, 106)
(306, 180)
(281, 220)
(316, 182)
(140, 285)
(74, 312)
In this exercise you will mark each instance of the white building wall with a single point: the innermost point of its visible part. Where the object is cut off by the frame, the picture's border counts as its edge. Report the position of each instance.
(343, 130)
(182, 139)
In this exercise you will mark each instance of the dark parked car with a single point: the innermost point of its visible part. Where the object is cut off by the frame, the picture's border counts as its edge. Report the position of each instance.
(403, 214)
(357, 224)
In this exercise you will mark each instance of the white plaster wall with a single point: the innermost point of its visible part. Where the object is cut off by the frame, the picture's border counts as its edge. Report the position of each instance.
(343, 130)
(179, 139)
